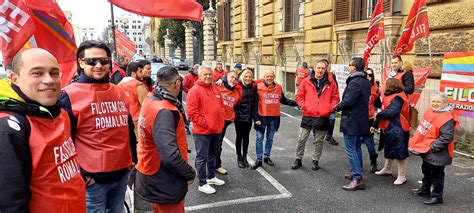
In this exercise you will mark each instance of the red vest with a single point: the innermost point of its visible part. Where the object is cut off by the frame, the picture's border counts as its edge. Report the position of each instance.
(230, 98)
(56, 182)
(148, 155)
(373, 96)
(102, 137)
(428, 131)
(398, 76)
(129, 87)
(301, 73)
(268, 99)
(404, 113)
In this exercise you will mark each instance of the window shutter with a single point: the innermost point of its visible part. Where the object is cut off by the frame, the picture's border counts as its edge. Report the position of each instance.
(342, 11)
(251, 18)
(288, 12)
(220, 22)
(295, 14)
(387, 7)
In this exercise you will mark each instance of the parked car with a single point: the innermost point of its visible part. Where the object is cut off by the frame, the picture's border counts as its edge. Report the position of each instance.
(154, 69)
(179, 64)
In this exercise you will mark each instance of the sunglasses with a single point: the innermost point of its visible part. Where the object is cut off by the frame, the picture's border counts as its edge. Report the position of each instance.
(93, 61)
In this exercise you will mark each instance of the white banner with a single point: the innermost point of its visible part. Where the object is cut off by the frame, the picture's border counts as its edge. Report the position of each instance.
(342, 72)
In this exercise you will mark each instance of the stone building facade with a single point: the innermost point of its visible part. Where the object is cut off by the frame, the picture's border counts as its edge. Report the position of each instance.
(280, 34)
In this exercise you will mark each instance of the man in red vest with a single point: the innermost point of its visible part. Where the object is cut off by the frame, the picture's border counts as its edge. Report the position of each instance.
(134, 90)
(102, 128)
(406, 77)
(38, 160)
(267, 115)
(433, 140)
(163, 171)
(218, 72)
(190, 78)
(206, 110)
(118, 69)
(146, 76)
(317, 96)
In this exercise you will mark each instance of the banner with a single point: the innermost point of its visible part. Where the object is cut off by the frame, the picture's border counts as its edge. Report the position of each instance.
(16, 27)
(174, 9)
(457, 80)
(125, 46)
(375, 32)
(420, 76)
(416, 26)
(342, 73)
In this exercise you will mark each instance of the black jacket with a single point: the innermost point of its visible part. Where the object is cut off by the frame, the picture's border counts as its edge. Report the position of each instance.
(100, 177)
(169, 184)
(408, 82)
(244, 110)
(355, 104)
(266, 119)
(15, 154)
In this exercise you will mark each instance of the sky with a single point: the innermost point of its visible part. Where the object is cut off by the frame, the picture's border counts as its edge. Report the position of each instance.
(90, 13)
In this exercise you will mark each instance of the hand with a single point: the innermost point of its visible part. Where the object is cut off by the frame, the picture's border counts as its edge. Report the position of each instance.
(372, 130)
(90, 182)
(190, 182)
(258, 122)
(219, 82)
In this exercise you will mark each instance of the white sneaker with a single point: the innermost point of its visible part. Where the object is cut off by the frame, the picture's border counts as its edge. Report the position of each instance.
(215, 181)
(206, 188)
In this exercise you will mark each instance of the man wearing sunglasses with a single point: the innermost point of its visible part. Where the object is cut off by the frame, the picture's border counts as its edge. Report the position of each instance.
(102, 128)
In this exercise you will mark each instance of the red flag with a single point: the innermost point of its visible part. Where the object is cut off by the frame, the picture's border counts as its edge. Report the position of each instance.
(125, 46)
(16, 29)
(174, 9)
(376, 31)
(55, 34)
(416, 26)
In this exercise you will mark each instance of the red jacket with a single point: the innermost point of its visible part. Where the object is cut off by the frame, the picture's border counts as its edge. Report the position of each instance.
(315, 105)
(301, 73)
(188, 82)
(216, 75)
(205, 109)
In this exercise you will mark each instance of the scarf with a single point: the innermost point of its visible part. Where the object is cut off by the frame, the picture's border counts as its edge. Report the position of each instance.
(162, 93)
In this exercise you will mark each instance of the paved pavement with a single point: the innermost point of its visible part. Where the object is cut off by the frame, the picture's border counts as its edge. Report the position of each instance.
(281, 189)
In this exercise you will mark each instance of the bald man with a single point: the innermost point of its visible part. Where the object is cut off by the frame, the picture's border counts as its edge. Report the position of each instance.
(38, 161)
(267, 115)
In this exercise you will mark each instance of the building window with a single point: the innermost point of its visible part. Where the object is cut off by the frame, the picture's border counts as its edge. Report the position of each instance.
(251, 18)
(362, 9)
(291, 15)
(359, 10)
(139, 39)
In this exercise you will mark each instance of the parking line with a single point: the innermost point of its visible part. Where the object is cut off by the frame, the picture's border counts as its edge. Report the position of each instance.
(284, 193)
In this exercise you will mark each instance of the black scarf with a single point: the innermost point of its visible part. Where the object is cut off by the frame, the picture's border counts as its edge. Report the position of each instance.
(162, 93)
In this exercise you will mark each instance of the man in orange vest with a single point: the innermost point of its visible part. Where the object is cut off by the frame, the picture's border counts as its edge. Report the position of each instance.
(102, 128)
(134, 89)
(267, 115)
(164, 173)
(406, 77)
(433, 140)
(38, 162)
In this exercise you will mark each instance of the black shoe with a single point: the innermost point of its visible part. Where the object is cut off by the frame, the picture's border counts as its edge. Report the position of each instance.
(244, 160)
(433, 201)
(240, 162)
(373, 164)
(315, 165)
(297, 164)
(268, 161)
(257, 164)
(331, 141)
(421, 193)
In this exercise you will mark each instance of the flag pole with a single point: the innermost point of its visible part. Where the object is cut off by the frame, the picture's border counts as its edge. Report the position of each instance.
(113, 30)
(429, 48)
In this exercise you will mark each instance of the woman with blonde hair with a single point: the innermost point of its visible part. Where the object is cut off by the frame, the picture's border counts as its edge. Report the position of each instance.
(393, 120)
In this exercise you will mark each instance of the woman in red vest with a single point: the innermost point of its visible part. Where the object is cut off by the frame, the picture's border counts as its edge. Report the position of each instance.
(230, 98)
(434, 142)
(393, 120)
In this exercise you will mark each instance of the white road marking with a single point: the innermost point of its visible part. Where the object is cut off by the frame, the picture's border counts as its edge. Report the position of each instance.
(284, 193)
(291, 116)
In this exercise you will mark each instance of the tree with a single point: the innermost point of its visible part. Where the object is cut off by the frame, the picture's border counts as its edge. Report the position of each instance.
(176, 30)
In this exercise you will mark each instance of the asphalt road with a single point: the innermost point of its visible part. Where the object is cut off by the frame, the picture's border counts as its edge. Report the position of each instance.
(281, 189)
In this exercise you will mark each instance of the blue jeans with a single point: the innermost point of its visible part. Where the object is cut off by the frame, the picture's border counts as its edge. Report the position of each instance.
(369, 142)
(106, 197)
(271, 129)
(332, 122)
(354, 154)
(207, 149)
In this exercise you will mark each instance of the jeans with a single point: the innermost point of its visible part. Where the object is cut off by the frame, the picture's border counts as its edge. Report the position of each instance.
(242, 129)
(369, 142)
(106, 197)
(218, 159)
(332, 122)
(354, 154)
(271, 129)
(303, 135)
(432, 175)
(207, 148)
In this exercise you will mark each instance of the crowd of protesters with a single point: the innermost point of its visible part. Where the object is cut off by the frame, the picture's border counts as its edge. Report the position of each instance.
(113, 125)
